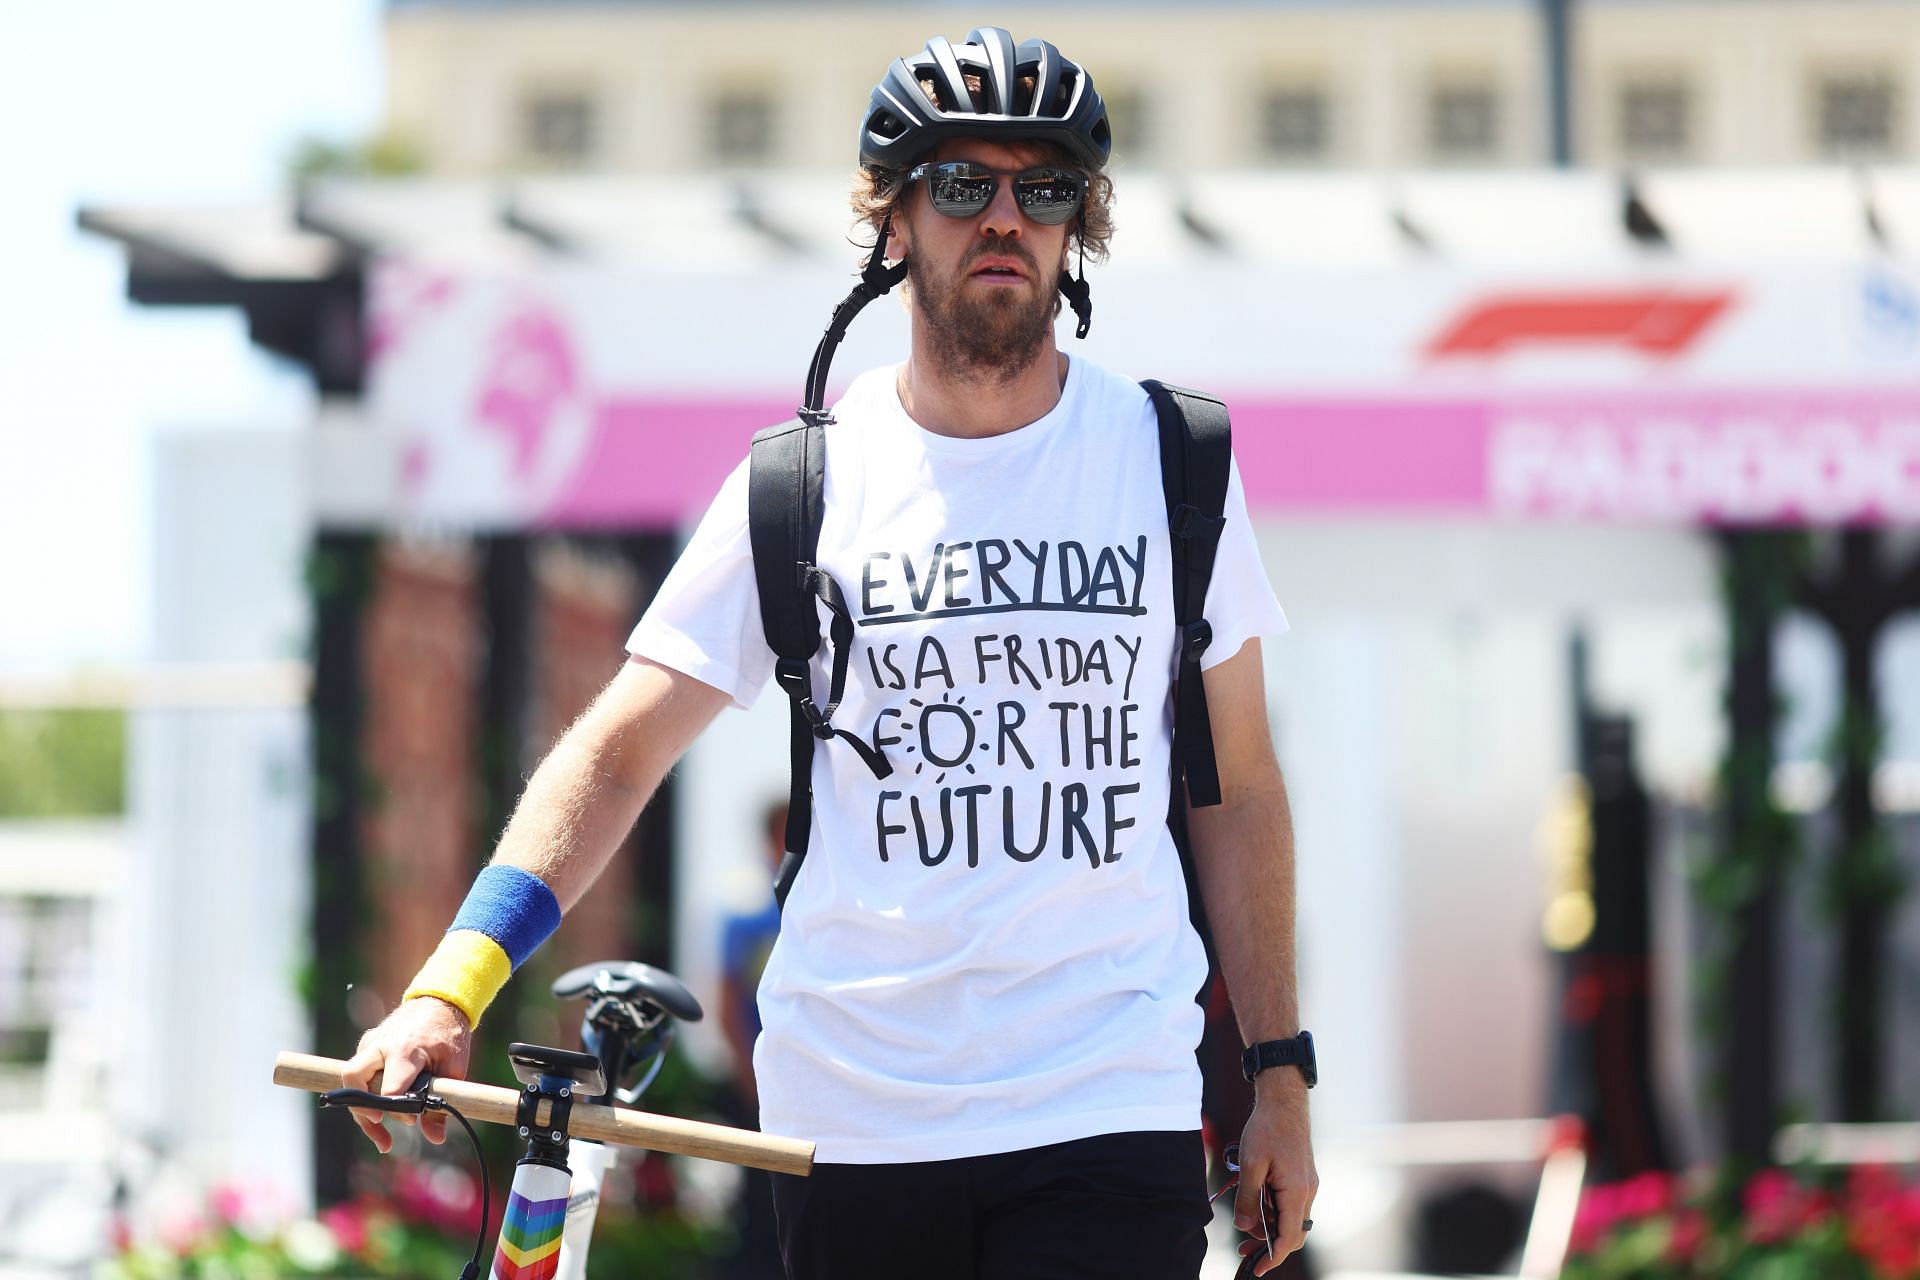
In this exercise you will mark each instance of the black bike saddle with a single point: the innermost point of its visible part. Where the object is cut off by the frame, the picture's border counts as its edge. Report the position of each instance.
(630, 980)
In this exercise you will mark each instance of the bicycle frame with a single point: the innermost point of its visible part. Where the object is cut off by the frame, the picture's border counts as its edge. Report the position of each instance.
(548, 1225)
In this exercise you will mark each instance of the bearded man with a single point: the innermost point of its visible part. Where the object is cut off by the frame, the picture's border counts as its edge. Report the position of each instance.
(981, 1006)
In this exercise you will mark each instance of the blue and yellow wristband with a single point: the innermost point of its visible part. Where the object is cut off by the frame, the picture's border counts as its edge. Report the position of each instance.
(507, 915)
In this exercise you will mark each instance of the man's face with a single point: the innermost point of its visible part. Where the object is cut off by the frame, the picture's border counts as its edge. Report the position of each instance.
(986, 286)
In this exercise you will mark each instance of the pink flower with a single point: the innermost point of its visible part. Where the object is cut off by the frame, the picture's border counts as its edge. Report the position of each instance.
(1778, 1207)
(1873, 1186)
(228, 1202)
(1607, 1205)
(1883, 1221)
(1894, 1257)
(1688, 1233)
(182, 1233)
(348, 1222)
(1598, 1214)
(1646, 1194)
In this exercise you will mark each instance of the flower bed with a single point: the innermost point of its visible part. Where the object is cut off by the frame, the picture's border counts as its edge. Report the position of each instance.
(417, 1220)
(1859, 1224)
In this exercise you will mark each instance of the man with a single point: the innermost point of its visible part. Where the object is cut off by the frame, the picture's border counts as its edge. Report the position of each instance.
(981, 1007)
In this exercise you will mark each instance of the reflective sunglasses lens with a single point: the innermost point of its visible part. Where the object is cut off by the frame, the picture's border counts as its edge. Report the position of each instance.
(1048, 196)
(959, 190)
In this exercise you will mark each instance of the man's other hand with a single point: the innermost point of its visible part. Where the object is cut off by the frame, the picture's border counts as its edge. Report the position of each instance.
(1276, 1152)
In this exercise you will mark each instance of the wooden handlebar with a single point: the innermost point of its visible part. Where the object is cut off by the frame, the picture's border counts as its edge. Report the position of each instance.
(588, 1120)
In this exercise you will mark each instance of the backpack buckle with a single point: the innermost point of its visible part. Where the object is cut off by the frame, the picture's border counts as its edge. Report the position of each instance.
(796, 678)
(1194, 639)
(1188, 521)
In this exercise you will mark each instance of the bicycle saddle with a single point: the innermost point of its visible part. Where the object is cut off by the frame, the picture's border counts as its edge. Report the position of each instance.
(630, 980)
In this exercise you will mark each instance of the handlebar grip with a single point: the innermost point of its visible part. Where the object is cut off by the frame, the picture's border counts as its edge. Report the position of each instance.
(619, 1125)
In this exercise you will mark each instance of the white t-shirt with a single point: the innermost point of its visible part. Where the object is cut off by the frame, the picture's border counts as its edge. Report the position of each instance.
(988, 950)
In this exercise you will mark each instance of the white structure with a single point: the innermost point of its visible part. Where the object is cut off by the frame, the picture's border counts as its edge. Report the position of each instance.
(483, 87)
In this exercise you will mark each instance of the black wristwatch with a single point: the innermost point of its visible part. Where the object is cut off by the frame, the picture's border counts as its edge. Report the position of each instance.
(1297, 1052)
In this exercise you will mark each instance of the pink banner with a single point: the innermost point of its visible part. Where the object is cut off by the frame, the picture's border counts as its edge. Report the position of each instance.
(1805, 456)
(1784, 398)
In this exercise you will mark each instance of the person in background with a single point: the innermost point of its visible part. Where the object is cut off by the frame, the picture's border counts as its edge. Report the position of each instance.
(746, 940)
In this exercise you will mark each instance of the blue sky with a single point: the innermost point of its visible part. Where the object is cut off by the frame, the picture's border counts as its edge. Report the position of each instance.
(166, 101)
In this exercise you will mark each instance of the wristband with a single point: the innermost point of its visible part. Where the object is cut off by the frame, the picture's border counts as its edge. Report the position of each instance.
(507, 915)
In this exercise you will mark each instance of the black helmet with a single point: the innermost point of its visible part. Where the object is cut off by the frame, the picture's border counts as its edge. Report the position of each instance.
(902, 120)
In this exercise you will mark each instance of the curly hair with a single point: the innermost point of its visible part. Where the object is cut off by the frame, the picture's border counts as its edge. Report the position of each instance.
(878, 192)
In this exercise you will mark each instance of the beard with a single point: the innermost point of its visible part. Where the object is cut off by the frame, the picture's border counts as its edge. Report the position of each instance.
(989, 335)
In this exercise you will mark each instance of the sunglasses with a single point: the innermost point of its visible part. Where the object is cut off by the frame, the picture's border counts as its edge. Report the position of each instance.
(962, 189)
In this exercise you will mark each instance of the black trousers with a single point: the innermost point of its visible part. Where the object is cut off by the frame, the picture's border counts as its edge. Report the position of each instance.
(1123, 1206)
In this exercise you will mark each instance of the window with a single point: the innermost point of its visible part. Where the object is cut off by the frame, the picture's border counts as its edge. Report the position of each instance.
(559, 128)
(1855, 114)
(45, 946)
(1296, 123)
(1655, 120)
(742, 125)
(1463, 121)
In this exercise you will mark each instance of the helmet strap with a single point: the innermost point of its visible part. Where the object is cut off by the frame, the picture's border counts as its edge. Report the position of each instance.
(876, 278)
(1079, 296)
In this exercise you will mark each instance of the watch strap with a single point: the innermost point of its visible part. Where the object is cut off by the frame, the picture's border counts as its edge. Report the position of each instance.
(1294, 1052)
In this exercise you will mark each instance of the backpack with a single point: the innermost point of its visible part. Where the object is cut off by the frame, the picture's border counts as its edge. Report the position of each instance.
(786, 475)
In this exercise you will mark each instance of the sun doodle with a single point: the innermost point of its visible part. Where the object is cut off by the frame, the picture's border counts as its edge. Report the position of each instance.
(941, 728)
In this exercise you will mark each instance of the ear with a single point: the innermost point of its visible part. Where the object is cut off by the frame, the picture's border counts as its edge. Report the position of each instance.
(898, 238)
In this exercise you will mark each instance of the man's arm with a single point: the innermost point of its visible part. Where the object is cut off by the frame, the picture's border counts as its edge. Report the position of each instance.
(1243, 854)
(590, 789)
(576, 811)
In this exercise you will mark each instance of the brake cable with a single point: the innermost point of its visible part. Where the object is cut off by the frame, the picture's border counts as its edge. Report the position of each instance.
(414, 1101)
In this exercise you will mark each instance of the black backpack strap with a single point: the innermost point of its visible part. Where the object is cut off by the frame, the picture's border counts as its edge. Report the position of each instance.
(1196, 453)
(786, 479)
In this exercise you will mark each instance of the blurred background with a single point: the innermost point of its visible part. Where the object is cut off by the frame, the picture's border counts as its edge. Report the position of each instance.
(367, 363)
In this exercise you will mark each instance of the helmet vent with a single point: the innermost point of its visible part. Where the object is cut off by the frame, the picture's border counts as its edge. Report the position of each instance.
(976, 77)
(1023, 88)
(979, 100)
(1063, 95)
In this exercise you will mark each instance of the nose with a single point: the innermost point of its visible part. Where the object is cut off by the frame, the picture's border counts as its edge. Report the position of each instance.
(1002, 216)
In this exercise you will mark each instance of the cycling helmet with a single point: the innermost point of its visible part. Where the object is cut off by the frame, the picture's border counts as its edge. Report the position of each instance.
(903, 119)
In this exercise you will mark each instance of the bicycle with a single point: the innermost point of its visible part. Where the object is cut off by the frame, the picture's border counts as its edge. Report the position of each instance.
(565, 1112)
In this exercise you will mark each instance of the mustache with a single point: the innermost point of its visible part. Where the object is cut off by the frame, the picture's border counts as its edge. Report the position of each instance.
(1004, 248)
